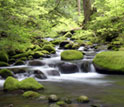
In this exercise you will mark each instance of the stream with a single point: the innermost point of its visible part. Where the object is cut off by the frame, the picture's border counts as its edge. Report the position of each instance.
(69, 79)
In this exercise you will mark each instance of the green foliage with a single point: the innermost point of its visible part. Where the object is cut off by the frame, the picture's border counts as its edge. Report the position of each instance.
(71, 55)
(31, 94)
(107, 21)
(110, 60)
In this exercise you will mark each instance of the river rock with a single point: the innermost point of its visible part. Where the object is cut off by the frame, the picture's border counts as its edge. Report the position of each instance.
(83, 99)
(53, 98)
(36, 63)
(39, 74)
(53, 73)
(68, 68)
(63, 43)
(85, 66)
(18, 70)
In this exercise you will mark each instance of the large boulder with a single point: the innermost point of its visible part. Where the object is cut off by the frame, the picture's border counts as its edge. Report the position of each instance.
(67, 68)
(30, 84)
(11, 84)
(4, 73)
(3, 56)
(109, 62)
(36, 63)
(71, 55)
(26, 84)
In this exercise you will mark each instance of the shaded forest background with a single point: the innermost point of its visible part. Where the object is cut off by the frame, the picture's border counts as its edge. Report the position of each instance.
(23, 20)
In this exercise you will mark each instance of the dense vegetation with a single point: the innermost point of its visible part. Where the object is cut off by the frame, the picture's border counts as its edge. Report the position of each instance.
(21, 21)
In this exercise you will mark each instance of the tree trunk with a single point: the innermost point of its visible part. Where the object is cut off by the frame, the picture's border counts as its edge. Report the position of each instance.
(79, 7)
(87, 10)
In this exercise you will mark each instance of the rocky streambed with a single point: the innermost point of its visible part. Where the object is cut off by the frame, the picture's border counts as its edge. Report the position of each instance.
(66, 79)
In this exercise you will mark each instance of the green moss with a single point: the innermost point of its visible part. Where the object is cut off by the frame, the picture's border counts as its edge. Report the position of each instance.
(3, 56)
(26, 84)
(19, 62)
(61, 103)
(56, 42)
(30, 84)
(31, 94)
(82, 99)
(45, 52)
(49, 48)
(5, 73)
(71, 55)
(20, 55)
(23, 58)
(68, 46)
(75, 46)
(2, 64)
(38, 54)
(11, 84)
(110, 60)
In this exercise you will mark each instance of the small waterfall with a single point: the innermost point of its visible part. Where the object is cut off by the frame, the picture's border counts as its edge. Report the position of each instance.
(54, 69)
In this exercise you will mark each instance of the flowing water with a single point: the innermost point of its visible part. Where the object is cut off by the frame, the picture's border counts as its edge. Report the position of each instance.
(105, 90)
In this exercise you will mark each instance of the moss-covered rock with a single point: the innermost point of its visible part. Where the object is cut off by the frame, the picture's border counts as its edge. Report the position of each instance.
(19, 62)
(20, 55)
(5, 73)
(61, 103)
(2, 64)
(11, 84)
(83, 99)
(71, 55)
(110, 62)
(26, 84)
(31, 94)
(30, 84)
(37, 54)
(3, 56)
(56, 42)
(49, 48)
(53, 98)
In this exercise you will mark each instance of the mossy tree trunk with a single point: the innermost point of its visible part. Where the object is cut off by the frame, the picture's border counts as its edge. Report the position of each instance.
(87, 10)
(79, 6)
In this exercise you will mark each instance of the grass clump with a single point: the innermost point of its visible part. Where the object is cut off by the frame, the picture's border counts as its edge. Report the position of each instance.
(110, 60)
(71, 55)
